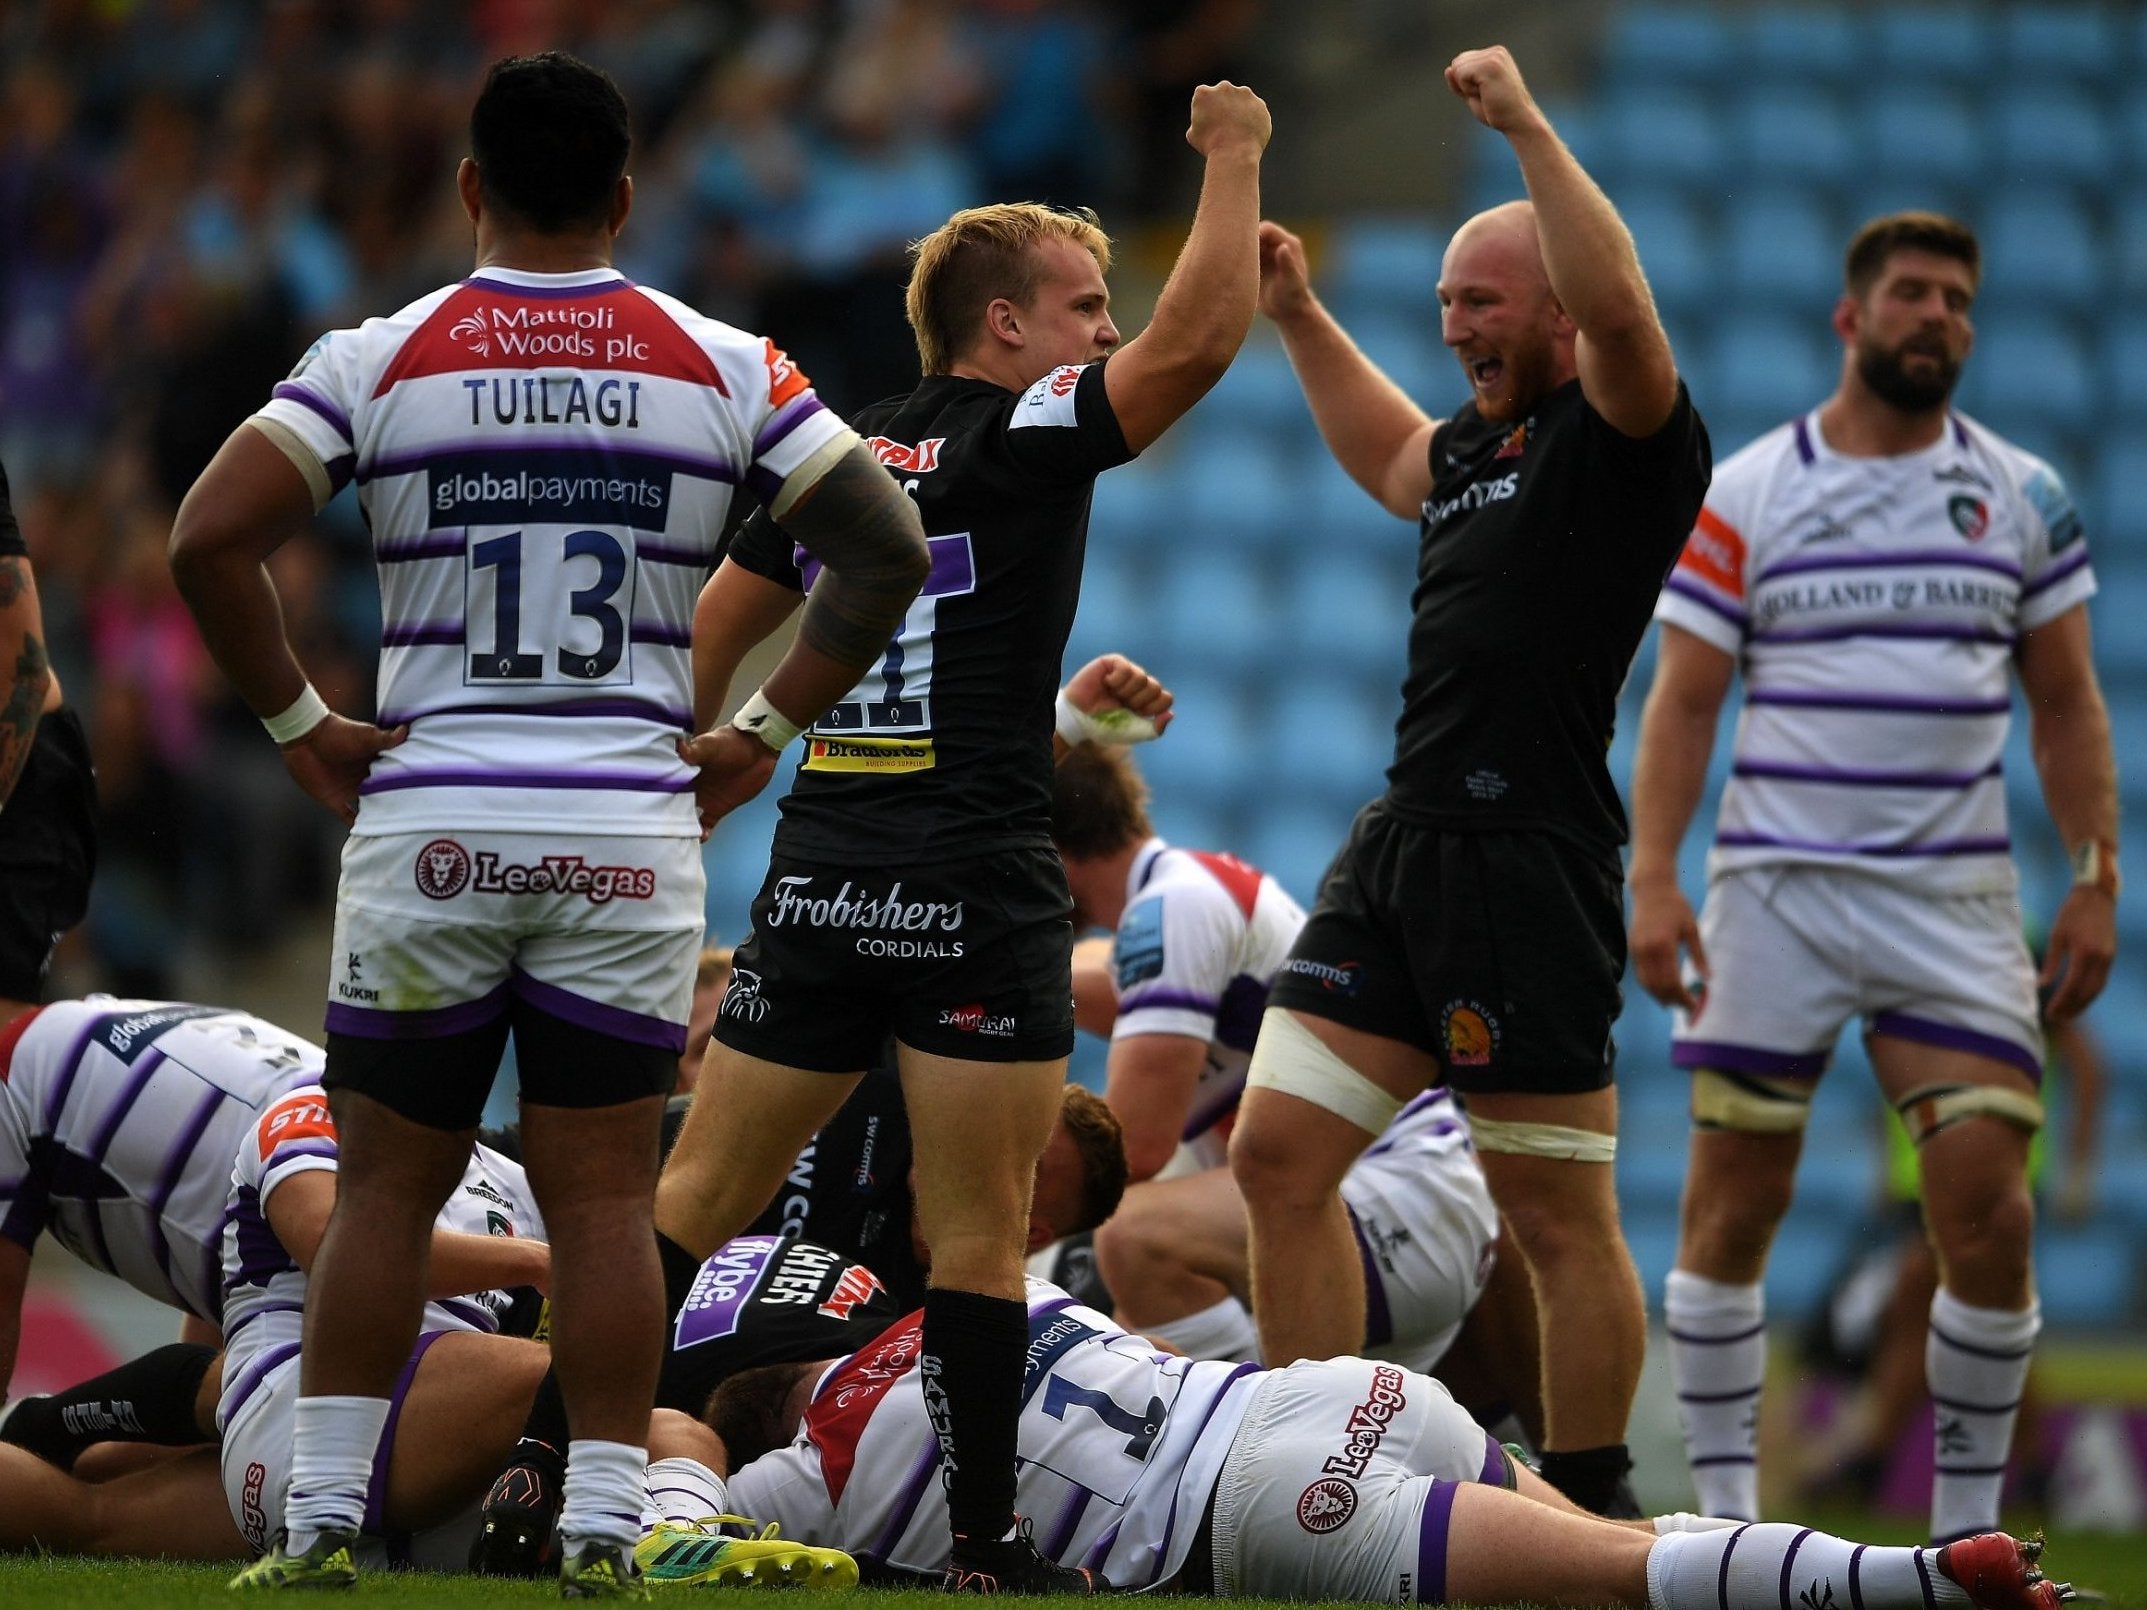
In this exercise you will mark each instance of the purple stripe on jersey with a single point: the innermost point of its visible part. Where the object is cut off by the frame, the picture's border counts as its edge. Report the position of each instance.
(1431, 1528)
(376, 1486)
(787, 419)
(661, 633)
(1237, 1021)
(1057, 1305)
(1770, 841)
(1907, 1026)
(1838, 634)
(27, 1212)
(167, 1184)
(1378, 1317)
(1213, 1101)
(655, 553)
(914, 1486)
(1707, 600)
(235, 1397)
(628, 782)
(1498, 1469)
(1894, 703)
(1100, 1550)
(71, 1064)
(307, 397)
(434, 546)
(262, 1312)
(423, 634)
(1857, 777)
(1804, 441)
(144, 1069)
(342, 469)
(1912, 558)
(631, 709)
(1960, 431)
(953, 570)
(475, 1315)
(1724, 1057)
(1061, 1536)
(763, 483)
(706, 466)
(636, 1028)
(2076, 560)
(369, 1023)
(1183, 1000)
(551, 293)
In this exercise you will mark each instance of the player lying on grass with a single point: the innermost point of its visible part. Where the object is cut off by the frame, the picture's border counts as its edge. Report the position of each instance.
(1339, 1479)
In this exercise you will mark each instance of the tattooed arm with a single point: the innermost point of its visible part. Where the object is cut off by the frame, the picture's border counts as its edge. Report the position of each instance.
(27, 685)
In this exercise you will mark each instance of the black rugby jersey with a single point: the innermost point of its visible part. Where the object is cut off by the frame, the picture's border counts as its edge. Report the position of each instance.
(11, 541)
(943, 751)
(766, 1299)
(1543, 546)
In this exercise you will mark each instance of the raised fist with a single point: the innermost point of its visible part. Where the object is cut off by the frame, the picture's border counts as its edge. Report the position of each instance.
(1225, 114)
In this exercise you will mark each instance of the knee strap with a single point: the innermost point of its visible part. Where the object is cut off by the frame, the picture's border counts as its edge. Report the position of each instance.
(1559, 1141)
(1750, 1103)
(1925, 1112)
(1289, 1057)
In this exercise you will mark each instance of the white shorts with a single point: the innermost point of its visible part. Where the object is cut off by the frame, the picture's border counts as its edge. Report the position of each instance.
(434, 932)
(1324, 1492)
(1795, 952)
(259, 1406)
(1426, 1228)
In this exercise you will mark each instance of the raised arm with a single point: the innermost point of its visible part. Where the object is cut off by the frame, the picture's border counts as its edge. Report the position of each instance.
(1626, 368)
(1380, 437)
(1677, 733)
(1206, 306)
(2069, 732)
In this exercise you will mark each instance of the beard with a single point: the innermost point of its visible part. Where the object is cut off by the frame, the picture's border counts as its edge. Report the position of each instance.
(1890, 380)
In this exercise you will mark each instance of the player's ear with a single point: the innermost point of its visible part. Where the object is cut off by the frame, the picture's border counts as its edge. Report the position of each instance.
(1848, 314)
(1003, 320)
(622, 203)
(469, 188)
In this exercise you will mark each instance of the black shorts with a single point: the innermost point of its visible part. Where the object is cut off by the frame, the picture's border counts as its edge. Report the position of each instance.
(48, 852)
(967, 959)
(1499, 953)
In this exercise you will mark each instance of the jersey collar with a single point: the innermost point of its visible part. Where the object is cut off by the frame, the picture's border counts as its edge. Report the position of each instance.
(1144, 865)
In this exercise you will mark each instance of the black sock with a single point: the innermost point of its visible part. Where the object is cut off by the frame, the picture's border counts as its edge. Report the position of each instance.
(547, 1422)
(972, 1361)
(148, 1399)
(1590, 1477)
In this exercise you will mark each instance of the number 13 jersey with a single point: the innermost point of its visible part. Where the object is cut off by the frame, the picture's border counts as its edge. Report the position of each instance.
(545, 462)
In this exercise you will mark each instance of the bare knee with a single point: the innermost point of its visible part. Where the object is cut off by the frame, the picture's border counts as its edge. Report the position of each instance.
(1278, 1173)
(1137, 1257)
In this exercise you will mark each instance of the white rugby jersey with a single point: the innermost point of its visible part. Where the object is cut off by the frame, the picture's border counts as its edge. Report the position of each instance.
(545, 461)
(1196, 949)
(1874, 605)
(265, 1290)
(118, 1123)
(1120, 1447)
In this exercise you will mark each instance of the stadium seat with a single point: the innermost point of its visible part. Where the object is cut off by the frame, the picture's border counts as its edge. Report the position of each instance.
(1116, 609)
(1259, 389)
(1793, 132)
(1324, 741)
(2120, 503)
(1133, 507)
(1770, 366)
(1292, 841)
(1393, 259)
(2129, 124)
(1783, 250)
(2053, 129)
(2118, 612)
(1924, 133)
(2028, 370)
(1350, 609)
(1235, 490)
(1408, 349)
(2040, 248)
(1207, 758)
(2128, 243)
(1673, 245)
(1343, 518)
(2124, 365)
(1917, 42)
(1664, 135)
(1788, 43)
(1678, 44)
(2082, 41)
(1212, 609)
(1875, 195)
(2085, 1275)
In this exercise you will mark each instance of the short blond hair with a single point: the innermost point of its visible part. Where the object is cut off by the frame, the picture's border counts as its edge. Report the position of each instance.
(979, 255)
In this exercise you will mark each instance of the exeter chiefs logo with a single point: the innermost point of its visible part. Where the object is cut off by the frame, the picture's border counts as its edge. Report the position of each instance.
(472, 332)
(1471, 1034)
(1327, 1504)
(443, 870)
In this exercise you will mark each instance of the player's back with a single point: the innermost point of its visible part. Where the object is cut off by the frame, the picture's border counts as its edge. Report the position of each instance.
(1120, 1446)
(546, 461)
(119, 1120)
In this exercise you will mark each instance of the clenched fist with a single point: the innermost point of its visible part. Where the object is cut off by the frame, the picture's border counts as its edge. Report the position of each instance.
(1227, 114)
(1490, 82)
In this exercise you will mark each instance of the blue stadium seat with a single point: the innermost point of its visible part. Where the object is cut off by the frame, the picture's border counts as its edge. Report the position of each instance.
(2124, 364)
(1134, 507)
(1325, 740)
(2128, 242)
(1117, 609)
(1775, 367)
(2040, 248)
(2121, 508)
(1211, 754)
(2080, 40)
(1916, 42)
(2085, 1275)
(1924, 133)
(2129, 124)
(2119, 613)
(1350, 609)
(1292, 840)
(1679, 44)
(1783, 249)
(1668, 136)
(1393, 259)
(2029, 370)
(1784, 42)
(1674, 247)
(1876, 195)
(1408, 349)
(1236, 490)
(1342, 517)
(2053, 129)
(1260, 389)
(1794, 132)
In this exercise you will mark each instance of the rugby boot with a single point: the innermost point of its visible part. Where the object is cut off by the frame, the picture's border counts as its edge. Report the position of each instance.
(2000, 1573)
(600, 1571)
(676, 1553)
(1013, 1565)
(516, 1526)
(327, 1564)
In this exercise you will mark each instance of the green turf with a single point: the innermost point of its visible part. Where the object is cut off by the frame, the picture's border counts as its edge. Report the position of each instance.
(2116, 1566)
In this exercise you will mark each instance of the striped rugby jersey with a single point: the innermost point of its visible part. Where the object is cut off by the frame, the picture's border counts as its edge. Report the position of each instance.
(545, 462)
(118, 1123)
(265, 1290)
(1195, 952)
(1120, 1448)
(1874, 605)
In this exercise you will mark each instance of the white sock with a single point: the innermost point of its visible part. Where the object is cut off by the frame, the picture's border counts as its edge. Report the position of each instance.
(1684, 1520)
(333, 1444)
(682, 1489)
(607, 1483)
(1976, 1360)
(1718, 1358)
(1223, 1331)
(1762, 1566)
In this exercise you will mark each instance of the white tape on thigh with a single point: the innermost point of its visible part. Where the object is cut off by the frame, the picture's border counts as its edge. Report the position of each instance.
(1750, 1103)
(1566, 1144)
(1925, 1112)
(1292, 1059)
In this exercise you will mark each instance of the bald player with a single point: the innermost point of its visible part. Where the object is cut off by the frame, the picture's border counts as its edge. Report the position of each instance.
(1470, 932)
